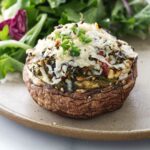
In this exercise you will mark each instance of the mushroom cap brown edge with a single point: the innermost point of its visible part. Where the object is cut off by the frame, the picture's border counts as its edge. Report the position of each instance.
(81, 105)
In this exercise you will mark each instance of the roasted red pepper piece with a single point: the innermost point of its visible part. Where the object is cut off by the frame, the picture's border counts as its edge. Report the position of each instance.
(101, 53)
(105, 68)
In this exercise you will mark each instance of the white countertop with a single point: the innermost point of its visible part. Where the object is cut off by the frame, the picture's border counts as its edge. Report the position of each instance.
(17, 137)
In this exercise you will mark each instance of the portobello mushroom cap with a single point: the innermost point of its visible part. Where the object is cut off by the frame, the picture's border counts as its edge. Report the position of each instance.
(75, 104)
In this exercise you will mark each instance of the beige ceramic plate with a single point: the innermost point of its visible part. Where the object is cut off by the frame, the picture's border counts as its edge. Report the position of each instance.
(132, 121)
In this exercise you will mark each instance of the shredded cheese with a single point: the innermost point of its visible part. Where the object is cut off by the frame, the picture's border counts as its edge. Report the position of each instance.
(100, 40)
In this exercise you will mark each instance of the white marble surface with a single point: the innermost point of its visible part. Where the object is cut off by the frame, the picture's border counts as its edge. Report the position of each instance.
(17, 137)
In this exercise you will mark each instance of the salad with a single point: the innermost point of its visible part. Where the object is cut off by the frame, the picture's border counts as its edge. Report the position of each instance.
(23, 22)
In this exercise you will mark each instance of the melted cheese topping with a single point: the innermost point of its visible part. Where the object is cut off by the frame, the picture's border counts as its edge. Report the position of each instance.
(100, 40)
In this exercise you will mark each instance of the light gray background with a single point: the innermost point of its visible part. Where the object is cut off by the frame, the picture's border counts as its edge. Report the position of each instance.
(17, 137)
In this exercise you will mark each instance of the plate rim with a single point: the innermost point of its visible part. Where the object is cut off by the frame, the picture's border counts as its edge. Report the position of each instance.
(75, 132)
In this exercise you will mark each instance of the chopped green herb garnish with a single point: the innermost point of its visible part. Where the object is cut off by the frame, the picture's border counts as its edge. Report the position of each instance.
(81, 31)
(85, 39)
(75, 51)
(78, 31)
(81, 34)
(75, 29)
(64, 36)
(66, 44)
(57, 35)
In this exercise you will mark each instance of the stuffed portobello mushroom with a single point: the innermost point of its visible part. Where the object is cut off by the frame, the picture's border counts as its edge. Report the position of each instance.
(80, 71)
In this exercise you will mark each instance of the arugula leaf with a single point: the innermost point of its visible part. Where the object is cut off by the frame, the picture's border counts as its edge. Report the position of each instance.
(9, 65)
(118, 8)
(4, 33)
(92, 3)
(69, 15)
(74, 5)
(90, 15)
(55, 3)
(32, 14)
(37, 2)
(96, 11)
(143, 15)
(101, 12)
(48, 27)
(13, 43)
(48, 10)
(137, 2)
(31, 36)
(16, 53)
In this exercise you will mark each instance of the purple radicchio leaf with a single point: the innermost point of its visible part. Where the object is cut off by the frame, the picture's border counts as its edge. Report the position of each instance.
(127, 7)
(17, 25)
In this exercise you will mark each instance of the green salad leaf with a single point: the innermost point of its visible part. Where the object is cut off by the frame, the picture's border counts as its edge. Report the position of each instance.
(12, 44)
(9, 64)
(12, 56)
(55, 3)
(69, 15)
(4, 33)
(31, 36)
(37, 2)
(75, 51)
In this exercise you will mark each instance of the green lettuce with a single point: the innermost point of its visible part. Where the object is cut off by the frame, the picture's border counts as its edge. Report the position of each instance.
(4, 33)
(9, 64)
